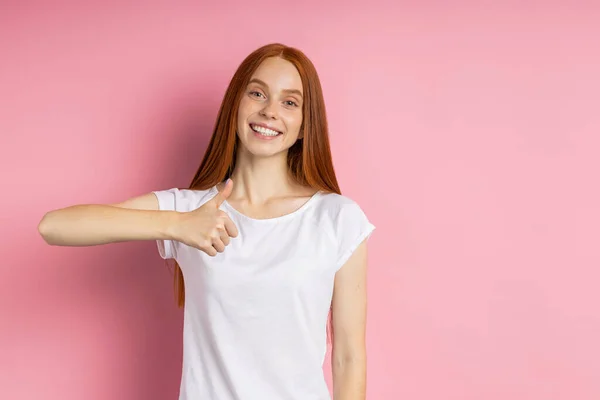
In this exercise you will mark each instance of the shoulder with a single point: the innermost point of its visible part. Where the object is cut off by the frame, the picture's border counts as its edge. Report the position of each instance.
(181, 199)
(345, 221)
(340, 214)
(335, 205)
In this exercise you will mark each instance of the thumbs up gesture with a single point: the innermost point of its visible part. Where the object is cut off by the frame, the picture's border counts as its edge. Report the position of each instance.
(207, 228)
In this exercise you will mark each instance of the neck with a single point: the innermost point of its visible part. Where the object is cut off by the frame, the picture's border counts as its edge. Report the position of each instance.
(258, 179)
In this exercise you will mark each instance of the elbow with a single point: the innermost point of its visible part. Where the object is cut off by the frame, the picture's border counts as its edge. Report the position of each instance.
(350, 360)
(349, 355)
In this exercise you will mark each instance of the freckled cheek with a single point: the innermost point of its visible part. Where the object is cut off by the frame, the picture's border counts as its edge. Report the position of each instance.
(295, 123)
(247, 108)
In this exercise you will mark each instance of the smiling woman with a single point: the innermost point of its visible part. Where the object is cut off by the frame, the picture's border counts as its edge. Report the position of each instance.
(274, 89)
(267, 265)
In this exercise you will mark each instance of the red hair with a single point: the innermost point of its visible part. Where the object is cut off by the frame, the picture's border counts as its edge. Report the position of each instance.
(309, 159)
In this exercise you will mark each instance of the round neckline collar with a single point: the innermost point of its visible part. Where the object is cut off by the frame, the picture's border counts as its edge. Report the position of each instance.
(284, 217)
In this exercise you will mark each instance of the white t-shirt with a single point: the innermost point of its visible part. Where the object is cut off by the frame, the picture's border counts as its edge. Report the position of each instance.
(255, 315)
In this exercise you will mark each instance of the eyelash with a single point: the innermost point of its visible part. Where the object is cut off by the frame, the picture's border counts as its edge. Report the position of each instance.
(295, 104)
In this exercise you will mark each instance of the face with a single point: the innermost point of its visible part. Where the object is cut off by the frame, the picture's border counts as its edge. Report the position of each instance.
(270, 111)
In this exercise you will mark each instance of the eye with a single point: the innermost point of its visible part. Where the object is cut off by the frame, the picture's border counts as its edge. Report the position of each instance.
(293, 103)
(252, 93)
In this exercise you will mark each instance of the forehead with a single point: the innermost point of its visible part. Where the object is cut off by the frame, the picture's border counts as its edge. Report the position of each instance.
(278, 74)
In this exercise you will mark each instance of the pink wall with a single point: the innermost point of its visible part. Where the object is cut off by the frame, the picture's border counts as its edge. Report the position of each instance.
(469, 134)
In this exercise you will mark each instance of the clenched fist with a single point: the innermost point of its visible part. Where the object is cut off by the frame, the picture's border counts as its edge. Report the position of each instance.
(207, 228)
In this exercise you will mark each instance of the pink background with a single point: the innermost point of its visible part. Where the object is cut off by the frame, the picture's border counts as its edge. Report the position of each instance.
(468, 133)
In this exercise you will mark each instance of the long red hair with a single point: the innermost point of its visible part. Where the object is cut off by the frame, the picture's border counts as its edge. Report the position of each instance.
(309, 159)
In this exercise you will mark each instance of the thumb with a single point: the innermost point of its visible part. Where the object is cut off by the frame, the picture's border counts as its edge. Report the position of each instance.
(223, 193)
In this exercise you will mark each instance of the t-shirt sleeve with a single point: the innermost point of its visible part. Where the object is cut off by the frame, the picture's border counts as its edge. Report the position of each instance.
(171, 200)
(352, 228)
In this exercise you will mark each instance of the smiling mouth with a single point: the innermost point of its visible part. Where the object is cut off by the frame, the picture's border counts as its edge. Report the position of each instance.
(264, 131)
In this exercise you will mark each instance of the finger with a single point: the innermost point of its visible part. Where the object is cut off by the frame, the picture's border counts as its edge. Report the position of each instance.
(211, 251)
(218, 245)
(224, 237)
(224, 193)
(230, 227)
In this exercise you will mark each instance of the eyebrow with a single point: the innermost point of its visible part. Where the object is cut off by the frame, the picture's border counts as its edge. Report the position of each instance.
(294, 91)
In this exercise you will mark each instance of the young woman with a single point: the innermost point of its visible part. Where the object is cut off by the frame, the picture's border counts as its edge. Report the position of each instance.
(266, 247)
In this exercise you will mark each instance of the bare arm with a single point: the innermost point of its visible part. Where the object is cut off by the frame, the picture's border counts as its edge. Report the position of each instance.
(137, 218)
(349, 357)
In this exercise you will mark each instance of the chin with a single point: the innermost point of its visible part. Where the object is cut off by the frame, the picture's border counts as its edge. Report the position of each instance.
(260, 151)
(257, 149)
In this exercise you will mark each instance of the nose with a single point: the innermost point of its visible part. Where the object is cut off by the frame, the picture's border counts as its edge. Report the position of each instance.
(268, 111)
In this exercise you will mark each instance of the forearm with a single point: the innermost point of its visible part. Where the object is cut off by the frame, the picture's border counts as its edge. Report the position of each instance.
(349, 380)
(95, 224)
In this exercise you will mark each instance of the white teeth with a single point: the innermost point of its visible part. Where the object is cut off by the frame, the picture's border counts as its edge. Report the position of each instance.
(264, 131)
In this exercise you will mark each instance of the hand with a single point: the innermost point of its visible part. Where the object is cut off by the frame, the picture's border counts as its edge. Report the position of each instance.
(207, 228)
